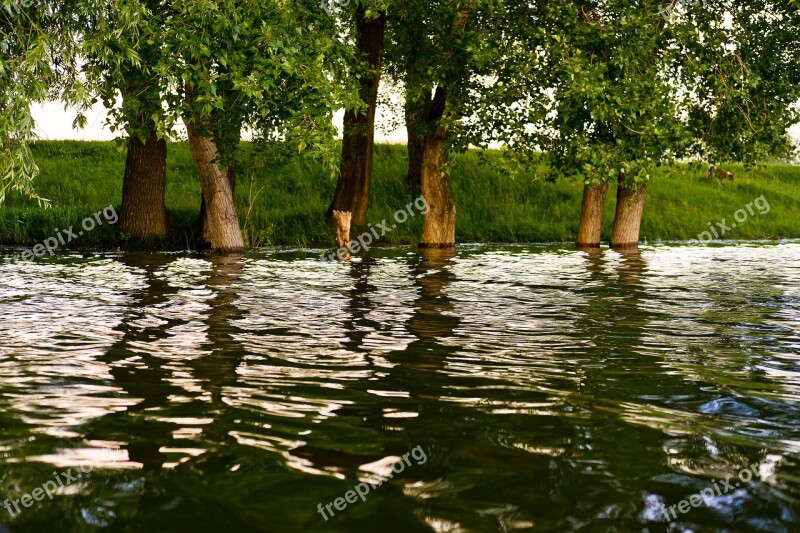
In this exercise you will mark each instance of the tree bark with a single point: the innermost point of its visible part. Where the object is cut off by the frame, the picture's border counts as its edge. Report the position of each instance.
(416, 144)
(341, 220)
(628, 219)
(221, 230)
(355, 177)
(144, 188)
(439, 226)
(591, 225)
(200, 225)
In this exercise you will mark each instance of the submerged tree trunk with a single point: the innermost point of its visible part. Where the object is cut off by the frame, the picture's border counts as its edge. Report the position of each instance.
(591, 225)
(628, 220)
(221, 230)
(439, 226)
(355, 178)
(144, 188)
(342, 220)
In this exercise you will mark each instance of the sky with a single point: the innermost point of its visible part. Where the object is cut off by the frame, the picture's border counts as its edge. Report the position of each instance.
(55, 123)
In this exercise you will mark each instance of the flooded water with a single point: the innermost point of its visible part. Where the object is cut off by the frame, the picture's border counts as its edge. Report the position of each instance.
(488, 389)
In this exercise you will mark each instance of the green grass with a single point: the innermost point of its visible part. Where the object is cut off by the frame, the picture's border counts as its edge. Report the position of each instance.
(289, 198)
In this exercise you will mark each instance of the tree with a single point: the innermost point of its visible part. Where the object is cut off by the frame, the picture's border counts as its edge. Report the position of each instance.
(144, 183)
(36, 63)
(254, 64)
(744, 77)
(117, 50)
(355, 177)
(438, 53)
(613, 114)
(626, 88)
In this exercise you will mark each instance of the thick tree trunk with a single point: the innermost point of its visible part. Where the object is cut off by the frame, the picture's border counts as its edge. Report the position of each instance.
(439, 226)
(591, 224)
(221, 230)
(144, 188)
(201, 220)
(355, 178)
(628, 220)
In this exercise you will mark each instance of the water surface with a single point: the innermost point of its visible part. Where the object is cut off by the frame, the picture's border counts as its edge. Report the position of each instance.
(550, 389)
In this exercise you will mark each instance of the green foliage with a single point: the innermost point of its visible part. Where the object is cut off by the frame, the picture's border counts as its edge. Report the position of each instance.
(604, 88)
(221, 64)
(34, 65)
(441, 55)
(18, 170)
(743, 76)
(617, 88)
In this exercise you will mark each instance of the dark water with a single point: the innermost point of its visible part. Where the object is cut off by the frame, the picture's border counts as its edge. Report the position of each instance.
(546, 389)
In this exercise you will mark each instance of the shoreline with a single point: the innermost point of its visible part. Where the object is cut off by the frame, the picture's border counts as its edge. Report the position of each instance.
(282, 202)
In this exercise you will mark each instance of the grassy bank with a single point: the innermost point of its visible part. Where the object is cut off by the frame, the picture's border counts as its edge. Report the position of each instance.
(283, 203)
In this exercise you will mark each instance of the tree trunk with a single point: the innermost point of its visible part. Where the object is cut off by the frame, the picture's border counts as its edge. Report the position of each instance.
(200, 225)
(427, 111)
(439, 226)
(355, 177)
(341, 220)
(591, 224)
(144, 188)
(232, 173)
(221, 230)
(628, 220)
(416, 143)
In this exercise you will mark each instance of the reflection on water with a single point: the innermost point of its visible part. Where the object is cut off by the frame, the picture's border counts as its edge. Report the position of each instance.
(551, 389)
